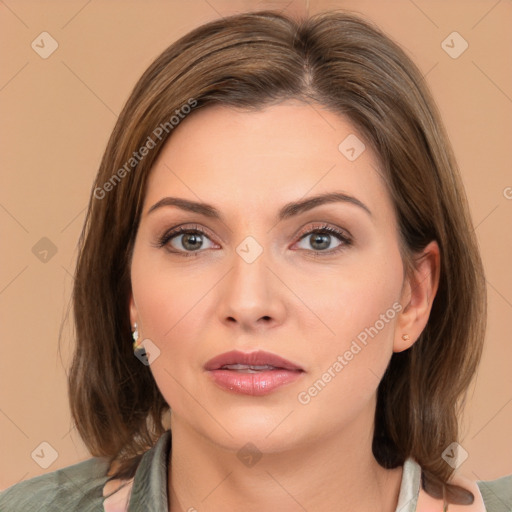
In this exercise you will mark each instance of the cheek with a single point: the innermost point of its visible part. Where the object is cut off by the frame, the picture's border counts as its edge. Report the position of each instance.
(169, 304)
(349, 368)
(176, 308)
(358, 306)
(166, 298)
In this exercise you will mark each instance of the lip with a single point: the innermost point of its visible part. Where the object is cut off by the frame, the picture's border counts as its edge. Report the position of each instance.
(255, 384)
(258, 358)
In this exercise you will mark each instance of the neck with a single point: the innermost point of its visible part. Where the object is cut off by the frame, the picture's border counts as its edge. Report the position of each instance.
(335, 472)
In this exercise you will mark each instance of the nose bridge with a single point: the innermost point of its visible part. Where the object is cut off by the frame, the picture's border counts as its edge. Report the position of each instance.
(250, 292)
(250, 274)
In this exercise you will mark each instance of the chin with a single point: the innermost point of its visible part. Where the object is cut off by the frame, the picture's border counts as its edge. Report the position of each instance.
(268, 432)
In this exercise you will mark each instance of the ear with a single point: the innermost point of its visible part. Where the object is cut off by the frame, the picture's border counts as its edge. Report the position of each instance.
(133, 310)
(417, 296)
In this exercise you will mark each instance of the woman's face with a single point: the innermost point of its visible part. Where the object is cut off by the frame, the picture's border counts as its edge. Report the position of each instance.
(253, 280)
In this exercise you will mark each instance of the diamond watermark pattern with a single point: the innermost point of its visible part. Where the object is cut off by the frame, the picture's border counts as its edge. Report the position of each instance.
(148, 352)
(44, 455)
(44, 250)
(249, 455)
(249, 250)
(44, 45)
(454, 45)
(351, 147)
(454, 455)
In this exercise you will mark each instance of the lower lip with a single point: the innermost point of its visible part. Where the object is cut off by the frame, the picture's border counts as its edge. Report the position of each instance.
(255, 384)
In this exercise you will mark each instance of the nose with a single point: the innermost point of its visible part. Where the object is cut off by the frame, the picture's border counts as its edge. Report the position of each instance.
(252, 297)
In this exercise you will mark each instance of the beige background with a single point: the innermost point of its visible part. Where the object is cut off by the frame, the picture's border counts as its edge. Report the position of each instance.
(57, 114)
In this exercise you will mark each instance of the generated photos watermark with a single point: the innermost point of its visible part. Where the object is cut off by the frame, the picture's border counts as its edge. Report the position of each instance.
(305, 397)
(149, 144)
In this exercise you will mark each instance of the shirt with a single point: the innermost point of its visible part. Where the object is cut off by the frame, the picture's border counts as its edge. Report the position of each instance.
(80, 487)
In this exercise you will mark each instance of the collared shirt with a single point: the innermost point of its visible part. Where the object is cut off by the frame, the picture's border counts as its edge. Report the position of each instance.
(80, 487)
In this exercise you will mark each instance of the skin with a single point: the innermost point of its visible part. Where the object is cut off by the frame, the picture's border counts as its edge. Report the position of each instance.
(305, 308)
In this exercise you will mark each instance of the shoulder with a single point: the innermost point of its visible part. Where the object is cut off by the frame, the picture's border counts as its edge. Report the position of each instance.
(491, 496)
(497, 494)
(76, 487)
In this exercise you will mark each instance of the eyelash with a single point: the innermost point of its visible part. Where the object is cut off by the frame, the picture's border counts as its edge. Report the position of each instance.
(320, 229)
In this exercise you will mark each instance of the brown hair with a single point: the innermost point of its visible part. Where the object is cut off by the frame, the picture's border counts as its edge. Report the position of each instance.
(249, 61)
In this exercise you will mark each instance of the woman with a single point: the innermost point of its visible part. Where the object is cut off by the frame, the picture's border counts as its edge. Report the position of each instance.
(278, 251)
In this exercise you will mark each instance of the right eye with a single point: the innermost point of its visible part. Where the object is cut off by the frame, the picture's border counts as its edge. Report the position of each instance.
(183, 240)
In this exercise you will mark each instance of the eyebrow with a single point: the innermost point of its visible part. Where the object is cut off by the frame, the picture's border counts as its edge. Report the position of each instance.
(287, 211)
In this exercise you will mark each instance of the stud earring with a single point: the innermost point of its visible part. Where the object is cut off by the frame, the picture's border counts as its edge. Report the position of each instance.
(405, 337)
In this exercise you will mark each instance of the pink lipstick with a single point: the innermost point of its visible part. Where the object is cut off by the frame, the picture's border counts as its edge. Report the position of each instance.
(252, 373)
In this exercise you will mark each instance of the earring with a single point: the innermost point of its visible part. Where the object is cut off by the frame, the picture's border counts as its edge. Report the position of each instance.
(135, 336)
(138, 348)
(405, 337)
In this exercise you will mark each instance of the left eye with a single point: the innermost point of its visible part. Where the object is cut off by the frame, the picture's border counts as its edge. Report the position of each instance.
(320, 239)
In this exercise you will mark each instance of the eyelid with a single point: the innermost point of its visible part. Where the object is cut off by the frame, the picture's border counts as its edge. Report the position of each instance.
(343, 235)
(321, 226)
(179, 230)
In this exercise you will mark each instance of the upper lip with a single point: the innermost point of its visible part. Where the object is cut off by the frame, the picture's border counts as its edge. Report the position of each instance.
(257, 358)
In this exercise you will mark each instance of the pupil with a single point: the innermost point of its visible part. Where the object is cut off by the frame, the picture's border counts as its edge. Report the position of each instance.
(190, 245)
(317, 238)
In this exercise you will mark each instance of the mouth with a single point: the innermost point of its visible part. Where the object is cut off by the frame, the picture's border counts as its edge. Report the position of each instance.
(254, 373)
(255, 361)
(247, 368)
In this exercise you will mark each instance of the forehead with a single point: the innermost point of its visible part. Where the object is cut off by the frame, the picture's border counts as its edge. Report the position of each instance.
(284, 152)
